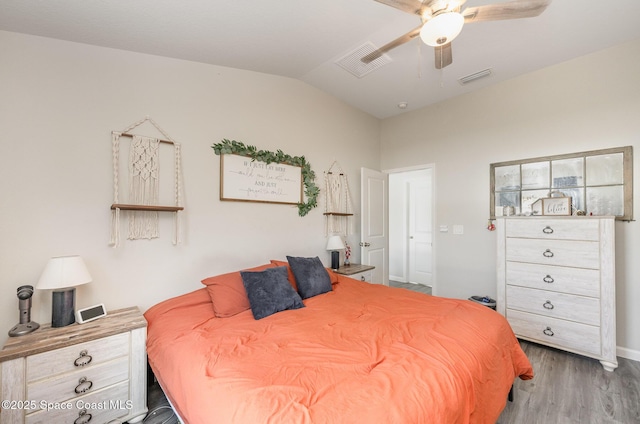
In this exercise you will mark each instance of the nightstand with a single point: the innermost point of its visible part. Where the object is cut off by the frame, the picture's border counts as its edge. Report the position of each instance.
(356, 271)
(81, 373)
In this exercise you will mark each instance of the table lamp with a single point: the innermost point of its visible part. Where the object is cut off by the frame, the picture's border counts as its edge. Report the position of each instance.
(62, 274)
(334, 244)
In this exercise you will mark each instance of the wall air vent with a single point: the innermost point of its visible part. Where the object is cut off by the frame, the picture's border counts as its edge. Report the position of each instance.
(476, 76)
(352, 63)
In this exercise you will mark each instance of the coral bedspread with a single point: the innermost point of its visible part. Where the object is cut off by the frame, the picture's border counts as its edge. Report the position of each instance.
(362, 353)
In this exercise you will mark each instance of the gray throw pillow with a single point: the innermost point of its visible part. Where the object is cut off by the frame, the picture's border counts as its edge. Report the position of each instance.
(311, 276)
(269, 291)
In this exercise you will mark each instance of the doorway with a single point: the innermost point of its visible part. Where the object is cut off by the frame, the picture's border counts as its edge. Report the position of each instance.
(411, 204)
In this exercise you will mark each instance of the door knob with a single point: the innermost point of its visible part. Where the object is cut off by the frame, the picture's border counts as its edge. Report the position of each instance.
(364, 244)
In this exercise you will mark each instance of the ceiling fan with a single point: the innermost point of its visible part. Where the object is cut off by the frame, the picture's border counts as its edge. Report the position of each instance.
(442, 21)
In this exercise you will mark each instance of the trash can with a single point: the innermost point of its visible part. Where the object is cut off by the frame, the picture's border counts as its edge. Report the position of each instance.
(484, 300)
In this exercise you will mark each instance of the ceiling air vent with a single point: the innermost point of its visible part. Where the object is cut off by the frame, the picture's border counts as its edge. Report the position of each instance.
(475, 76)
(352, 63)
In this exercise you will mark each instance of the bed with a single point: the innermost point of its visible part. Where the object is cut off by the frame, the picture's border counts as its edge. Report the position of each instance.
(357, 353)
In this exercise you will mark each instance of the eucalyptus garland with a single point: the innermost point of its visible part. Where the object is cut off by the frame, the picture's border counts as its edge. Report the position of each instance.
(311, 190)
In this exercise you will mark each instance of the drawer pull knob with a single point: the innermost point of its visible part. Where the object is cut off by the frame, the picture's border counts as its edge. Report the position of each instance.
(548, 305)
(547, 254)
(83, 359)
(548, 279)
(547, 230)
(83, 417)
(547, 331)
(83, 385)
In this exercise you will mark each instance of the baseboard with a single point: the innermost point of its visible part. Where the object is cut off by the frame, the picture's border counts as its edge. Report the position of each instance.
(623, 352)
(397, 278)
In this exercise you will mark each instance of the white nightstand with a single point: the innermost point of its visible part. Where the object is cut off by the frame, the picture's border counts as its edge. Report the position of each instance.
(93, 372)
(356, 271)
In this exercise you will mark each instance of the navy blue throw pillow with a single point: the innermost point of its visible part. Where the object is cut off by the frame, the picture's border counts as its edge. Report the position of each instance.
(311, 276)
(269, 291)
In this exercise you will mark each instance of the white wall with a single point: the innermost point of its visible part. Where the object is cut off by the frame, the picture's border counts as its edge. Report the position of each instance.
(588, 103)
(59, 101)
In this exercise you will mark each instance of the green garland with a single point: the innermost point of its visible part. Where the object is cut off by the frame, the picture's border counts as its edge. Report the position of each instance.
(311, 190)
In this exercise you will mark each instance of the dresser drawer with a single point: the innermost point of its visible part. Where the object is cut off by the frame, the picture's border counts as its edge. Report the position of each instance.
(71, 358)
(568, 335)
(581, 281)
(581, 309)
(67, 387)
(362, 276)
(578, 254)
(555, 229)
(103, 406)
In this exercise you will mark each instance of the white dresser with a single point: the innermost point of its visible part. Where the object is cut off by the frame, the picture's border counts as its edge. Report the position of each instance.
(556, 282)
(357, 271)
(94, 372)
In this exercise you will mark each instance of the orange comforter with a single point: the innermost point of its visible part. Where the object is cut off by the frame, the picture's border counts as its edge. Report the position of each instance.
(360, 354)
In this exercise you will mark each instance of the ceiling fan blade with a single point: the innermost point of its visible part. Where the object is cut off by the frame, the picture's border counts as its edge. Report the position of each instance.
(392, 45)
(410, 6)
(418, 7)
(509, 10)
(444, 56)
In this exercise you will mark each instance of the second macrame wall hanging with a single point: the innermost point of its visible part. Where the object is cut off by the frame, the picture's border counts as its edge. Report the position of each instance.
(338, 207)
(137, 174)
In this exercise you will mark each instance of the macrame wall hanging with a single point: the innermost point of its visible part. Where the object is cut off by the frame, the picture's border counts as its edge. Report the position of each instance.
(338, 205)
(144, 184)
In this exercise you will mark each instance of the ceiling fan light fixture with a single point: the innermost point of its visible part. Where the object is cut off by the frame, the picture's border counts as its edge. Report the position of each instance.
(442, 29)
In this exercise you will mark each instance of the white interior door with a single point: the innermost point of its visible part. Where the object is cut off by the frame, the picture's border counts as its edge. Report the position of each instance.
(374, 225)
(420, 231)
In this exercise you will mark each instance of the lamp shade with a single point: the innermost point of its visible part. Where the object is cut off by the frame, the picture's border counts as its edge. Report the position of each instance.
(335, 243)
(64, 271)
(442, 28)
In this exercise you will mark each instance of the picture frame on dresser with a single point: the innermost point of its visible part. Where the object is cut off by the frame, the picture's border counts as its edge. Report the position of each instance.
(552, 206)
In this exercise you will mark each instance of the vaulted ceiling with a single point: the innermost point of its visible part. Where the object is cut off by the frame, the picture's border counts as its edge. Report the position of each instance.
(304, 39)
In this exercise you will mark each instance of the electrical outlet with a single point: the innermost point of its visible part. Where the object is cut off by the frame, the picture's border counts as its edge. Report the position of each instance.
(458, 229)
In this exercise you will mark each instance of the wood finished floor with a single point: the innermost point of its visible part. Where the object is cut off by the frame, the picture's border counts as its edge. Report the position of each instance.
(411, 286)
(160, 411)
(573, 389)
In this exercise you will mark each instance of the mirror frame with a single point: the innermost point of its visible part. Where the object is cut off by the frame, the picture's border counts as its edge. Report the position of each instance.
(627, 172)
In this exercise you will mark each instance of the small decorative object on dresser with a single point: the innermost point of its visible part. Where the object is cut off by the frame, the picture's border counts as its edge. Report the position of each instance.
(552, 206)
(62, 274)
(334, 244)
(91, 313)
(556, 283)
(94, 372)
(24, 325)
(356, 271)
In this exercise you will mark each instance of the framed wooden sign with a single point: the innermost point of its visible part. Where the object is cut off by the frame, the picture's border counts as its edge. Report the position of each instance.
(557, 206)
(244, 179)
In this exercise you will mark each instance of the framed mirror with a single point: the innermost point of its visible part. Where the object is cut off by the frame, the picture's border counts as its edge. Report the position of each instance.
(599, 182)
